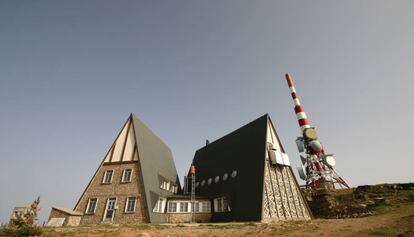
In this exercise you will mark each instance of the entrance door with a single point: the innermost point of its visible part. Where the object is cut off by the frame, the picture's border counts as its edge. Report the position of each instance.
(110, 210)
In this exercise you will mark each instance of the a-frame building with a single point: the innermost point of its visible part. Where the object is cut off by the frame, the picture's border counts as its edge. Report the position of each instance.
(137, 172)
(248, 176)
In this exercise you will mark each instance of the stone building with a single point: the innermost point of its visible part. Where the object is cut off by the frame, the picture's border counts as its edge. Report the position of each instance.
(137, 171)
(18, 212)
(60, 216)
(243, 176)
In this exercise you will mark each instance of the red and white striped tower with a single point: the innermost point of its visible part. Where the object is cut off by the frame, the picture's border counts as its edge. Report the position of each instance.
(300, 112)
(318, 168)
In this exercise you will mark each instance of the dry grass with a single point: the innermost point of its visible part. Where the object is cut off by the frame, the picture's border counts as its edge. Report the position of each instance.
(397, 222)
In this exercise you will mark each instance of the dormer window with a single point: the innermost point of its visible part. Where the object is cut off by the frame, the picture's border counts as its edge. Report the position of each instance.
(168, 186)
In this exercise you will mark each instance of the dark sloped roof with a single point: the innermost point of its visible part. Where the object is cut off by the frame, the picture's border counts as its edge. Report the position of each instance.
(243, 151)
(156, 160)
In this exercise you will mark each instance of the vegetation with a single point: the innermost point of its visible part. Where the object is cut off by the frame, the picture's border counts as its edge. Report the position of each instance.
(24, 225)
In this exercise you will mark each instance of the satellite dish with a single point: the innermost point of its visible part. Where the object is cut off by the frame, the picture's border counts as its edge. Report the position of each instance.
(329, 160)
(315, 145)
(302, 172)
(300, 144)
(310, 134)
(303, 159)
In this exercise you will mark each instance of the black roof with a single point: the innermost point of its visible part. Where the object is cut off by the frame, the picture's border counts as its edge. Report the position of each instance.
(243, 152)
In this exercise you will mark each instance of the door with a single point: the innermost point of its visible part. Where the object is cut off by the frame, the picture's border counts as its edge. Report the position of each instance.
(110, 210)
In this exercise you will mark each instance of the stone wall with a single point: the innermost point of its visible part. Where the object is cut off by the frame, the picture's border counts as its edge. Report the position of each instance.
(115, 189)
(282, 198)
(70, 220)
(186, 217)
(73, 220)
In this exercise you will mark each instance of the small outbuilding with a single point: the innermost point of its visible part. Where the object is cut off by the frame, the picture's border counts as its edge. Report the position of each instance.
(18, 212)
(60, 216)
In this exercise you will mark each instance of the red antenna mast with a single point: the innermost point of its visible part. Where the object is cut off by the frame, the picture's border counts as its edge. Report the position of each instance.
(317, 167)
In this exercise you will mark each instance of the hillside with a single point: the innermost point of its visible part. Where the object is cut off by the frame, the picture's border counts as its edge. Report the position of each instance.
(370, 210)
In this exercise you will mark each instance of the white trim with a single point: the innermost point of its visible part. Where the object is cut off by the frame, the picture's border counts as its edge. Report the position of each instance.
(221, 200)
(126, 205)
(87, 206)
(104, 177)
(123, 176)
(161, 203)
(189, 206)
(106, 208)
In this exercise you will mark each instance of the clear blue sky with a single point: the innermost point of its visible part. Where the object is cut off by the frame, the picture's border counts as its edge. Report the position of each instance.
(72, 71)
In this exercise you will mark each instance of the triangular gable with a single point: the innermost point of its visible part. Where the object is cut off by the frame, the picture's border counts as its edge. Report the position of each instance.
(124, 147)
(282, 199)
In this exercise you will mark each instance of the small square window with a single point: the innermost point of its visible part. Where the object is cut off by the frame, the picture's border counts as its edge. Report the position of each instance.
(221, 205)
(130, 204)
(91, 207)
(126, 175)
(172, 207)
(107, 179)
(205, 207)
(184, 207)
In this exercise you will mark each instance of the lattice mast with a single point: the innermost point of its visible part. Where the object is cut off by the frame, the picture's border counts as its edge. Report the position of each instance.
(317, 167)
(193, 200)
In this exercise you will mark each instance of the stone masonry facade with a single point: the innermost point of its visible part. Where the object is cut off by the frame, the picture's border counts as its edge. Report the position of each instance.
(70, 220)
(282, 198)
(116, 189)
(186, 217)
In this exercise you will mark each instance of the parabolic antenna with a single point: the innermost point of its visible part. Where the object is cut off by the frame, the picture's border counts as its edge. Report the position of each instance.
(315, 145)
(329, 160)
(310, 134)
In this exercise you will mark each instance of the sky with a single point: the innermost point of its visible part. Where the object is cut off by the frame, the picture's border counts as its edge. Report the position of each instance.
(71, 72)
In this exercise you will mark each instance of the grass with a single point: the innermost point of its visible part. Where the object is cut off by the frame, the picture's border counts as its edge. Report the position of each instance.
(383, 231)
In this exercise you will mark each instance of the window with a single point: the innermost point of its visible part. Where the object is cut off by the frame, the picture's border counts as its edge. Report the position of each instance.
(209, 181)
(172, 188)
(202, 206)
(91, 207)
(221, 205)
(196, 206)
(107, 179)
(163, 185)
(197, 184)
(184, 207)
(130, 204)
(159, 206)
(216, 179)
(205, 207)
(168, 186)
(172, 207)
(225, 176)
(234, 174)
(126, 175)
(203, 182)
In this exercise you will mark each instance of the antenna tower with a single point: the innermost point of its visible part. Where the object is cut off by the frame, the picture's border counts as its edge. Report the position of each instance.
(317, 167)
